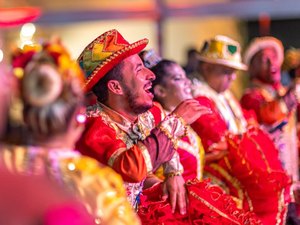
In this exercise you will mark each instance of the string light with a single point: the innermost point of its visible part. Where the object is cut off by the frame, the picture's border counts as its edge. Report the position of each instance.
(1, 55)
(27, 30)
(81, 118)
(26, 34)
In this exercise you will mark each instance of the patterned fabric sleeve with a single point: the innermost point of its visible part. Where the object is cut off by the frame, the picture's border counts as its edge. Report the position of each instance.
(99, 141)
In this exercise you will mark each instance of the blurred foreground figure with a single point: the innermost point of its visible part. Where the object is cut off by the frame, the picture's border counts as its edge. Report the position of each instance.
(38, 201)
(53, 113)
(30, 200)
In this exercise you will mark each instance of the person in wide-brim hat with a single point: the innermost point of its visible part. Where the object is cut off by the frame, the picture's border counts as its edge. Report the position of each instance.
(105, 52)
(260, 43)
(222, 50)
(219, 61)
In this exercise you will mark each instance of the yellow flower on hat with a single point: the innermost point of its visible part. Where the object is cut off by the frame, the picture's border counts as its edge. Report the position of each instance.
(32, 47)
(216, 48)
(291, 59)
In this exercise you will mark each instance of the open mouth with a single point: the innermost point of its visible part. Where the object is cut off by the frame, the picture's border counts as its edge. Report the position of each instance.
(147, 89)
(188, 90)
(274, 70)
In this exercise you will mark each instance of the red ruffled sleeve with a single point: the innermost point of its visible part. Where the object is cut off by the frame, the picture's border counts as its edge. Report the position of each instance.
(99, 141)
(210, 127)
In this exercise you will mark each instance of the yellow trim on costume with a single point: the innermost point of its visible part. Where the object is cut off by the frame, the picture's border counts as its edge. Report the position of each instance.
(115, 155)
(283, 107)
(170, 136)
(212, 207)
(195, 148)
(202, 158)
(146, 156)
(162, 111)
(282, 207)
(235, 183)
(261, 153)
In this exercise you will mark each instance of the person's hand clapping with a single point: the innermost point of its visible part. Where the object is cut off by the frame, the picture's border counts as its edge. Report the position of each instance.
(190, 110)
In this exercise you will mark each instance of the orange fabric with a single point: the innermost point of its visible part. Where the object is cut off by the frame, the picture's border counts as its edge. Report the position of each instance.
(271, 112)
(131, 165)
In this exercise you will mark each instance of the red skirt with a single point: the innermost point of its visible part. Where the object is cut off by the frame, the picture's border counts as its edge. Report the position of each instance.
(208, 204)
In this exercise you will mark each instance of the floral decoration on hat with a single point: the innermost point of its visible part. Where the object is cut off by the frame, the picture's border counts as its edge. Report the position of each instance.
(34, 88)
(291, 59)
(103, 53)
(222, 50)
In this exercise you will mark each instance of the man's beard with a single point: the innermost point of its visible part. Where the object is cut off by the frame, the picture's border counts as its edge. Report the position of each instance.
(135, 106)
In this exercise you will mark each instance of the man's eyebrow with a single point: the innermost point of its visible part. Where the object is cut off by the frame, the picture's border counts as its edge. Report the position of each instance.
(138, 65)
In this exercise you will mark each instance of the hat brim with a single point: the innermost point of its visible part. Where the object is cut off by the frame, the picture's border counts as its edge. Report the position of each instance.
(18, 16)
(234, 65)
(261, 43)
(112, 61)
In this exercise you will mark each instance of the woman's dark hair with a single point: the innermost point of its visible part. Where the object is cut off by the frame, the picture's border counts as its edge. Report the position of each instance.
(292, 74)
(100, 89)
(161, 71)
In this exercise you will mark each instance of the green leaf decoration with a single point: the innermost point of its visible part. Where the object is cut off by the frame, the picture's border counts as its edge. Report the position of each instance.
(232, 49)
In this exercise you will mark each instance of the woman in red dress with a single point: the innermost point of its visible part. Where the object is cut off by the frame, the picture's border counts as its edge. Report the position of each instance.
(208, 204)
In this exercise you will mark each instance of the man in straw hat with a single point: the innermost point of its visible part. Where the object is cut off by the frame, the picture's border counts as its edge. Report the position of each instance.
(273, 104)
(125, 129)
(243, 157)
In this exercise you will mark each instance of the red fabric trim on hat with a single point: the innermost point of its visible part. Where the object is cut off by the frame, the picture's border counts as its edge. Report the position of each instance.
(112, 61)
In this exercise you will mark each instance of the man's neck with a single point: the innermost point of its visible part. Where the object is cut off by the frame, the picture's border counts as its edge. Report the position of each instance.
(127, 114)
(276, 85)
(168, 107)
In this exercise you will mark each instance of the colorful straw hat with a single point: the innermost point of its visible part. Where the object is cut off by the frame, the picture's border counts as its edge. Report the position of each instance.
(257, 44)
(224, 51)
(105, 52)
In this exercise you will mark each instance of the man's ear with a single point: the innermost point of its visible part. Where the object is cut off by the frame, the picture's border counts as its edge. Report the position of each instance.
(115, 87)
(159, 91)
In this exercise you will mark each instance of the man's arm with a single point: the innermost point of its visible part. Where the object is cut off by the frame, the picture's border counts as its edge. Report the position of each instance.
(100, 142)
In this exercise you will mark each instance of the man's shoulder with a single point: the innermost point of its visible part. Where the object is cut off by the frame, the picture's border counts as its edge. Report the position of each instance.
(254, 92)
(205, 101)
